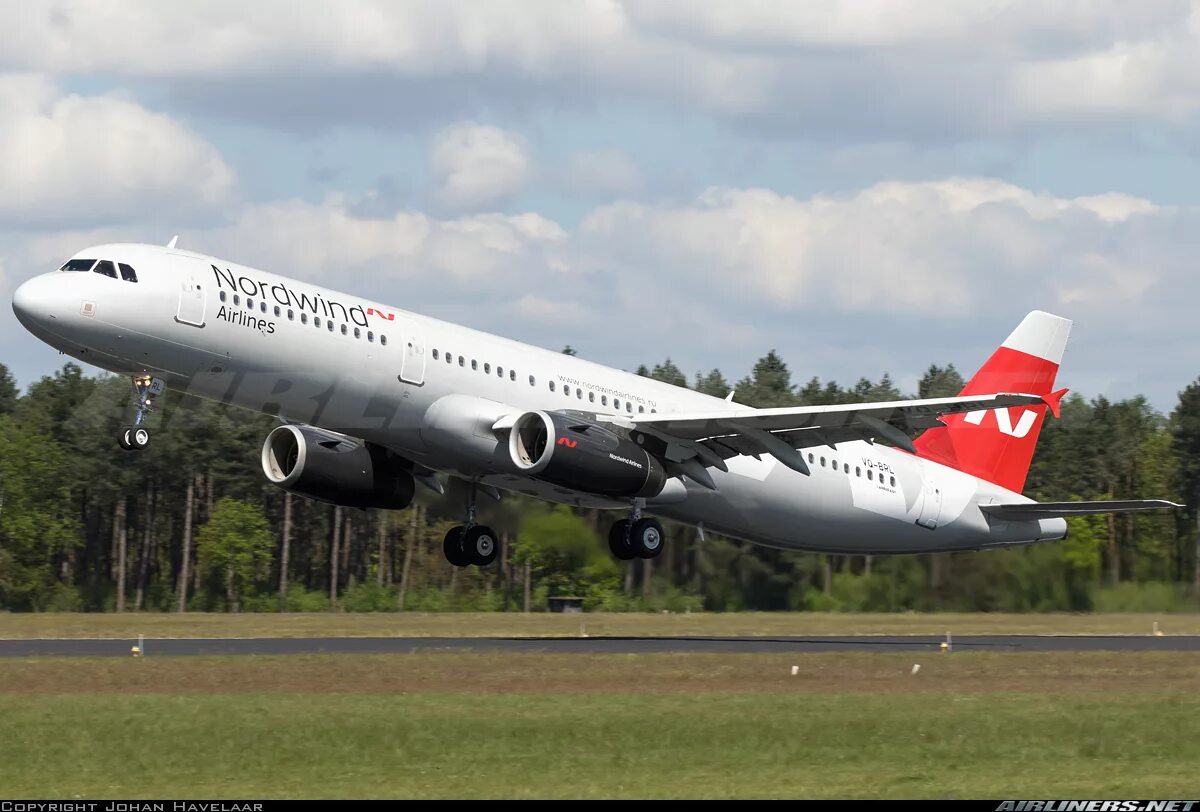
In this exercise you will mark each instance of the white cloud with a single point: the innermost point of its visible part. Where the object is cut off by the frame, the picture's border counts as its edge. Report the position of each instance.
(474, 165)
(72, 159)
(878, 69)
(924, 247)
(324, 241)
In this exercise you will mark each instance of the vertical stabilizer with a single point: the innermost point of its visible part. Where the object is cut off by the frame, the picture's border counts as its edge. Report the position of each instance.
(998, 444)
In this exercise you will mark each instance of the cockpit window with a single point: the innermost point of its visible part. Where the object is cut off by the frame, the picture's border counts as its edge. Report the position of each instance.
(78, 265)
(127, 273)
(105, 267)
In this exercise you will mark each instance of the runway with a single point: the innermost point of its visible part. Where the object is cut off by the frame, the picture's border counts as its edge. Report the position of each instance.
(170, 647)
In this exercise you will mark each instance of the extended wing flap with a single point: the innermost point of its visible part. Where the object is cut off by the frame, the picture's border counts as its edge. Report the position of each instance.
(906, 414)
(712, 437)
(1033, 511)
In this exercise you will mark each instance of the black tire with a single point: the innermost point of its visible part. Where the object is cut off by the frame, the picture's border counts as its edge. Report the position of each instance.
(618, 541)
(647, 538)
(123, 440)
(452, 547)
(479, 545)
(139, 438)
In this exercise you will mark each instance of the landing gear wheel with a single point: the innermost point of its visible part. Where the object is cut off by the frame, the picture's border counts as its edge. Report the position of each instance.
(452, 547)
(646, 538)
(123, 440)
(618, 541)
(479, 545)
(138, 438)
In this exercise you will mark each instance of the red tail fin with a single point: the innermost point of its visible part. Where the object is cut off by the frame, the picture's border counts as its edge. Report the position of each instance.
(998, 445)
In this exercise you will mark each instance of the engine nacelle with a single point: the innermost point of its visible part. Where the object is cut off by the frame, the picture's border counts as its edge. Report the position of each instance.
(334, 469)
(576, 453)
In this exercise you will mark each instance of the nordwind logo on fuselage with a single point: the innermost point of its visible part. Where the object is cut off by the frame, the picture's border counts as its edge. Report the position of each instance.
(285, 296)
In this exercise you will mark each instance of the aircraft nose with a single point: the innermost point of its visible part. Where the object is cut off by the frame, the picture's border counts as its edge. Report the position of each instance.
(33, 301)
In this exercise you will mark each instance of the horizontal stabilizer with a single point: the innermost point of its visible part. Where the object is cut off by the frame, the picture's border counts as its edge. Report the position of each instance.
(1032, 511)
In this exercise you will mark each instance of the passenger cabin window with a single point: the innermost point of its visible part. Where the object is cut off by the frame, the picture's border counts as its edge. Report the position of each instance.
(532, 382)
(487, 369)
(222, 296)
(329, 324)
(357, 332)
(370, 337)
(551, 386)
(344, 331)
(512, 374)
(78, 265)
(105, 268)
(304, 318)
(383, 340)
(474, 364)
(127, 272)
(435, 355)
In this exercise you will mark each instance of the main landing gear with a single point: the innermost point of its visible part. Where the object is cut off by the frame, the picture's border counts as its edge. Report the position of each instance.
(135, 437)
(471, 543)
(636, 537)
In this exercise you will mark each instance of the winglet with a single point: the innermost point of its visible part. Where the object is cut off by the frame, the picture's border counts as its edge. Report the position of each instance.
(1054, 401)
(174, 240)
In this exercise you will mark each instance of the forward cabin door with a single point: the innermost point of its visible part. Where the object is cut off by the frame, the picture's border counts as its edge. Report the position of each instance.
(412, 364)
(193, 293)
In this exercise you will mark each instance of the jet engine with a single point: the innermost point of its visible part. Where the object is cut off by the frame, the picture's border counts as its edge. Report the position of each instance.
(576, 453)
(333, 468)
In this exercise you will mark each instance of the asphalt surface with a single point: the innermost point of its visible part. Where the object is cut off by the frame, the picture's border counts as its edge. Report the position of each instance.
(588, 645)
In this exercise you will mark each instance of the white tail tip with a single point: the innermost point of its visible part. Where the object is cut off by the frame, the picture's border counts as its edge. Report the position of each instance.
(1042, 335)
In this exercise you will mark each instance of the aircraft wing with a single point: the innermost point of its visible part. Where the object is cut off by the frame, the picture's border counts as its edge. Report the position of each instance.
(694, 442)
(1032, 511)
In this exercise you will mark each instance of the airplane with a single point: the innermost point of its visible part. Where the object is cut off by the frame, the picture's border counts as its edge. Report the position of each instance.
(374, 400)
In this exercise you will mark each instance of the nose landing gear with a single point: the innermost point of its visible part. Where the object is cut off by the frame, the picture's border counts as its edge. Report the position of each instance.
(136, 437)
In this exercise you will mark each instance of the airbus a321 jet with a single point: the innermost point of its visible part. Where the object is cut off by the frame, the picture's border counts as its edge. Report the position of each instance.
(374, 400)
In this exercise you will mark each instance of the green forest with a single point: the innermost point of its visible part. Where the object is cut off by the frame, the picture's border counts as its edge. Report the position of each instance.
(191, 524)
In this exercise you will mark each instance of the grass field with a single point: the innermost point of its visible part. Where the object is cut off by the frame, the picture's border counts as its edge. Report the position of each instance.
(337, 624)
(553, 726)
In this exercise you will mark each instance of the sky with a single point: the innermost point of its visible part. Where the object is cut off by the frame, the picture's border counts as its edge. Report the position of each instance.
(865, 187)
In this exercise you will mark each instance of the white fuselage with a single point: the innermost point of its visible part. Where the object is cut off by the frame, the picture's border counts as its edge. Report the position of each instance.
(430, 391)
